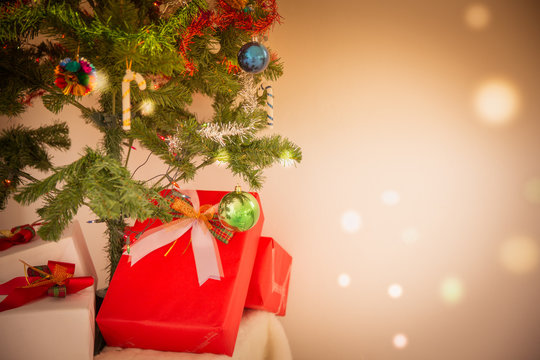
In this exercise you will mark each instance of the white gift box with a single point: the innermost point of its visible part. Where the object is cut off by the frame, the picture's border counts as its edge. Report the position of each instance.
(49, 328)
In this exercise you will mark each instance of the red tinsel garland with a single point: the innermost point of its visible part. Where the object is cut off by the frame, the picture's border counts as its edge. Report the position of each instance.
(224, 17)
(244, 20)
(194, 29)
(231, 67)
(28, 97)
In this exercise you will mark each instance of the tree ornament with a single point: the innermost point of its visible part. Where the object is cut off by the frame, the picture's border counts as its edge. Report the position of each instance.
(157, 81)
(7, 183)
(237, 4)
(269, 105)
(238, 210)
(126, 95)
(213, 46)
(168, 8)
(253, 57)
(75, 77)
(174, 143)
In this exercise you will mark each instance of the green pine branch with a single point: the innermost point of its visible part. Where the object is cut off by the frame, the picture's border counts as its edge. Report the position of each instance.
(19, 21)
(111, 35)
(24, 148)
(95, 180)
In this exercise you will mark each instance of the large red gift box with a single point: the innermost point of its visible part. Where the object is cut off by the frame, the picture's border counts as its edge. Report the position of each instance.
(158, 304)
(269, 286)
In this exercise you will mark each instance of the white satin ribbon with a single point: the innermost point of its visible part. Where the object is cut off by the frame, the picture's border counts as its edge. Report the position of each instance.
(205, 251)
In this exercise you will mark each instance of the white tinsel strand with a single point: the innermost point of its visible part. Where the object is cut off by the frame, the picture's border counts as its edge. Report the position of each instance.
(248, 95)
(218, 132)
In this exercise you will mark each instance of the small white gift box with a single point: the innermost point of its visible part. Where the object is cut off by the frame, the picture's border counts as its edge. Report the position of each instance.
(49, 328)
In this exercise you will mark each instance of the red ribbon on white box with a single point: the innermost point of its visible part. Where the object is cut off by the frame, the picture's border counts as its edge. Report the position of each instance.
(205, 251)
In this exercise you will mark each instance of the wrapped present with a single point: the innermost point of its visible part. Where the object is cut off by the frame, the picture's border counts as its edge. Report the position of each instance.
(269, 285)
(16, 236)
(70, 248)
(54, 279)
(181, 298)
(71, 319)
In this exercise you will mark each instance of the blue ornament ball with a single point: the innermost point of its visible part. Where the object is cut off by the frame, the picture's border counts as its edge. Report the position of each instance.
(253, 57)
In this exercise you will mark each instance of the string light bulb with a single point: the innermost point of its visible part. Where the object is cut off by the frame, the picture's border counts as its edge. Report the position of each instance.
(497, 102)
(102, 81)
(147, 107)
(286, 159)
(222, 157)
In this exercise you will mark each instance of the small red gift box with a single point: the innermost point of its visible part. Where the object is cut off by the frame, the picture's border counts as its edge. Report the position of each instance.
(269, 286)
(158, 303)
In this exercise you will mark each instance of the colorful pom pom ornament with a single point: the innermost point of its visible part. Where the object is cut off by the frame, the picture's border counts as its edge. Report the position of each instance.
(75, 77)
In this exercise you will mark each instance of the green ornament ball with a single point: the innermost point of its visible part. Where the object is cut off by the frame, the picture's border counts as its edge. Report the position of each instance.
(239, 210)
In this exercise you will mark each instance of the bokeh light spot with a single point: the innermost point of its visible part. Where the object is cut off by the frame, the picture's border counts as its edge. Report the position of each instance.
(496, 102)
(451, 290)
(410, 235)
(477, 16)
(532, 191)
(222, 158)
(147, 107)
(390, 197)
(519, 255)
(102, 81)
(395, 291)
(400, 341)
(344, 280)
(351, 221)
(285, 159)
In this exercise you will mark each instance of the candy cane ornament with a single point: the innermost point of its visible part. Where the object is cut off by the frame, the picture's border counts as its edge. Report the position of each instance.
(269, 105)
(126, 95)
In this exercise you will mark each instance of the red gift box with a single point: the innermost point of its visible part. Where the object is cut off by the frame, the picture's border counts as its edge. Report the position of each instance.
(158, 304)
(269, 286)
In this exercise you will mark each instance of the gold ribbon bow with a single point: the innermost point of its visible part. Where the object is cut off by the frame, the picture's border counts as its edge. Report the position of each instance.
(205, 213)
(58, 276)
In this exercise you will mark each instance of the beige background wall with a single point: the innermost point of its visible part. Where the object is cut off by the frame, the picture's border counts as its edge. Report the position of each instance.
(440, 191)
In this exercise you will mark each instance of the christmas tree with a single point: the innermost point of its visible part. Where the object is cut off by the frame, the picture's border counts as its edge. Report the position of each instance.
(156, 55)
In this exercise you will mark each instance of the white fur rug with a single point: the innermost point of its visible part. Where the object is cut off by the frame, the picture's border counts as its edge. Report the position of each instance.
(261, 337)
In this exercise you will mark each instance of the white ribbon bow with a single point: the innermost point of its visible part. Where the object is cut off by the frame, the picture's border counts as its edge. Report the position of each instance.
(205, 251)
